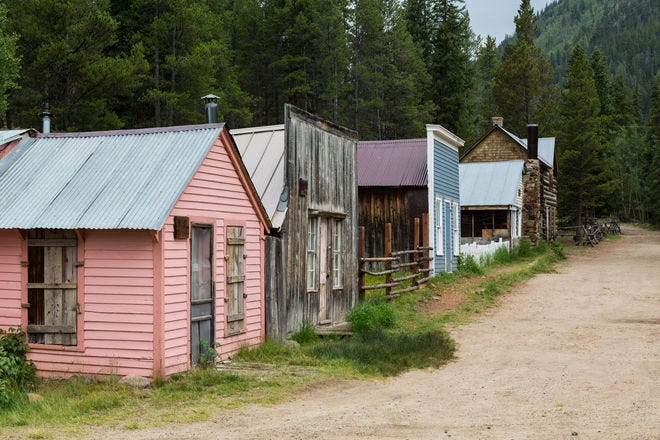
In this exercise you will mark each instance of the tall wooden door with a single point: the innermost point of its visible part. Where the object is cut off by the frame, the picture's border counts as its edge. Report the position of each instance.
(235, 279)
(202, 315)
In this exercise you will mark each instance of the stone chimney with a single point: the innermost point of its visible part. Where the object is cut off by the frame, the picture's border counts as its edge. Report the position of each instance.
(45, 120)
(498, 121)
(532, 141)
(211, 108)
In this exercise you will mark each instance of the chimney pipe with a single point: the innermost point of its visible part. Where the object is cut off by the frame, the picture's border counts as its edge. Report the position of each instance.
(497, 121)
(45, 120)
(532, 141)
(211, 108)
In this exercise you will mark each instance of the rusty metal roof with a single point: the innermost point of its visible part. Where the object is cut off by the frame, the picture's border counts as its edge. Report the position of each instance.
(124, 179)
(392, 163)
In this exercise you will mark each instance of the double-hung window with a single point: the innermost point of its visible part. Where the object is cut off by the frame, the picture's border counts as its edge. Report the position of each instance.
(337, 261)
(312, 253)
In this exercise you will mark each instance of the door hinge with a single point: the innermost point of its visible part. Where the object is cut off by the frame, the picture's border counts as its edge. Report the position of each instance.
(25, 264)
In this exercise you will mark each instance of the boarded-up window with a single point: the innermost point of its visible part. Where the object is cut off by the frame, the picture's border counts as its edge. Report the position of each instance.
(52, 287)
(235, 278)
(312, 252)
(337, 262)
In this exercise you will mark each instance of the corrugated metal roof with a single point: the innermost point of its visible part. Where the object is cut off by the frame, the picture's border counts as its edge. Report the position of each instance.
(490, 183)
(262, 150)
(392, 163)
(546, 147)
(7, 136)
(546, 150)
(125, 179)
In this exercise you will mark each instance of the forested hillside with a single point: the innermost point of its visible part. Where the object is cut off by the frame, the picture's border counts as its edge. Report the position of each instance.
(627, 33)
(384, 68)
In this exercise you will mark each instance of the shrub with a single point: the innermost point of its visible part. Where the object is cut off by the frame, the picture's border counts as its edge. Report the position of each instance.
(558, 250)
(468, 266)
(17, 374)
(389, 353)
(305, 335)
(524, 248)
(502, 256)
(207, 354)
(371, 315)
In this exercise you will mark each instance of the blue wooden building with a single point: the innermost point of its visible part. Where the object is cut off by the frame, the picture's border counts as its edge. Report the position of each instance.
(444, 200)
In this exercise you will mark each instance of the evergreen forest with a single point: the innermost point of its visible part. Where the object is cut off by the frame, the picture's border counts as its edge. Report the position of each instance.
(586, 71)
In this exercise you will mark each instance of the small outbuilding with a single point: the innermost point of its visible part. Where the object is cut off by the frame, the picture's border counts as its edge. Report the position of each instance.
(392, 188)
(131, 252)
(305, 172)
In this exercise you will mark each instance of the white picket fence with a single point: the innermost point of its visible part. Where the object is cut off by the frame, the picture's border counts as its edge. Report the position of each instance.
(478, 251)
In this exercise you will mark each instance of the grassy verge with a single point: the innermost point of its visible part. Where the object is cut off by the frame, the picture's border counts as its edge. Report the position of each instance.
(394, 337)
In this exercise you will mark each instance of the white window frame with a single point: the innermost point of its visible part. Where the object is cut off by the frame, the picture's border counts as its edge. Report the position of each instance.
(337, 260)
(457, 230)
(312, 253)
(439, 218)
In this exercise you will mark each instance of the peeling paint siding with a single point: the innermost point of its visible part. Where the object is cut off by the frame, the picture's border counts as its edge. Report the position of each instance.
(215, 195)
(10, 279)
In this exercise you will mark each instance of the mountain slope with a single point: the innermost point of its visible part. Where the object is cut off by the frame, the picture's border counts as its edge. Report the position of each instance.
(627, 32)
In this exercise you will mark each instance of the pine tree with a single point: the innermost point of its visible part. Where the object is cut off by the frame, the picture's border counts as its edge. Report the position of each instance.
(71, 66)
(187, 47)
(312, 71)
(451, 68)
(388, 74)
(524, 90)
(486, 66)
(584, 181)
(9, 62)
(652, 158)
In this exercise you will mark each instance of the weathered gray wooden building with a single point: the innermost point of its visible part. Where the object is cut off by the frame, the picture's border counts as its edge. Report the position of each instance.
(305, 172)
(392, 188)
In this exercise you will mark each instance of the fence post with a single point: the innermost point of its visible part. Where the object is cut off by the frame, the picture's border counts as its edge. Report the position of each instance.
(388, 253)
(361, 263)
(416, 254)
(425, 240)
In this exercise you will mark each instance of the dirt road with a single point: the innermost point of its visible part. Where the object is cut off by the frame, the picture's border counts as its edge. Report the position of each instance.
(574, 354)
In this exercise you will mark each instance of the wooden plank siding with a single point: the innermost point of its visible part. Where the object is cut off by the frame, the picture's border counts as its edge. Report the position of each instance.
(215, 196)
(445, 181)
(117, 310)
(321, 176)
(11, 255)
(396, 205)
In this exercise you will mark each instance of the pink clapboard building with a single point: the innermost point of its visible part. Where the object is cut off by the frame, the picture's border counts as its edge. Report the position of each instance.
(130, 252)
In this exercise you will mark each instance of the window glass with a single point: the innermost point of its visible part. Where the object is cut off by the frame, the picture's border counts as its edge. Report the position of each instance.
(337, 253)
(312, 253)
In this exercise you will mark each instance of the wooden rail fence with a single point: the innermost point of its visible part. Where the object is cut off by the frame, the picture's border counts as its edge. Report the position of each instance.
(414, 263)
(591, 234)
